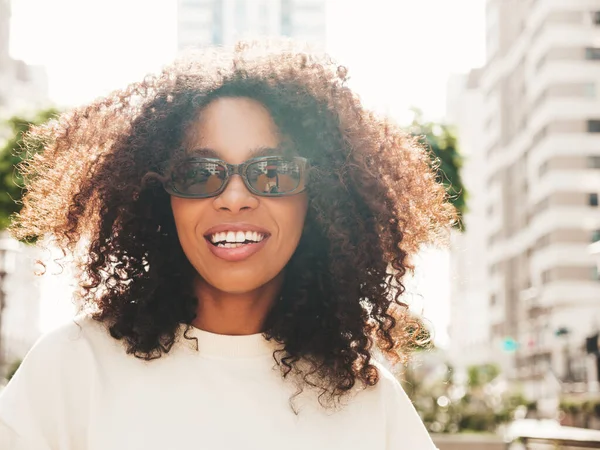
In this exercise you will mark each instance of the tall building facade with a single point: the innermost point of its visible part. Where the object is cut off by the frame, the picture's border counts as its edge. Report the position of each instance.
(4, 32)
(223, 22)
(469, 305)
(23, 87)
(23, 90)
(540, 143)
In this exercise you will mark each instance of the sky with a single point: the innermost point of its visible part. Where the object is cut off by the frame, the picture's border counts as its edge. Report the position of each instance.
(400, 54)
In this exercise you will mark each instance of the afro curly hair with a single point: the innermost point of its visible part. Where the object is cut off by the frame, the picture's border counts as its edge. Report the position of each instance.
(373, 202)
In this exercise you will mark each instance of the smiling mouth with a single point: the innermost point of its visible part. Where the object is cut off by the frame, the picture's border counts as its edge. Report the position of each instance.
(235, 239)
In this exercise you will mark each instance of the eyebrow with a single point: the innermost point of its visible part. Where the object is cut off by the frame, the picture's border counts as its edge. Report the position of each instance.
(254, 153)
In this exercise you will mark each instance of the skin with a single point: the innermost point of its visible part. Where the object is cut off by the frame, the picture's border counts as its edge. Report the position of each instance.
(235, 297)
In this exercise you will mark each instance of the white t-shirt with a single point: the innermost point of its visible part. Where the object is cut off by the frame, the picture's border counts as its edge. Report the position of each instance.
(77, 389)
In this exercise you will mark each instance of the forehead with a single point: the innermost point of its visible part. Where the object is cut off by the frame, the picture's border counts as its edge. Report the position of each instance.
(232, 129)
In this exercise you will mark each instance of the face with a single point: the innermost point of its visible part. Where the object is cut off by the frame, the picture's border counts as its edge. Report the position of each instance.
(233, 130)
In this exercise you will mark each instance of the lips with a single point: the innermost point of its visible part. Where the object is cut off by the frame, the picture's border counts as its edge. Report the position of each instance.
(235, 242)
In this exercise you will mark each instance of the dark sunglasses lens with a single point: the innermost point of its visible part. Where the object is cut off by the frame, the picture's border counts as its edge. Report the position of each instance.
(279, 176)
(198, 177)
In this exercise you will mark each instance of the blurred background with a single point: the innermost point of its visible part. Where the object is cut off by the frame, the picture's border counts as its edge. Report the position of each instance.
(506, 93)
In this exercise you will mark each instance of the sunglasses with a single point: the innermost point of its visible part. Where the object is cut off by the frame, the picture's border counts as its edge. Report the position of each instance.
(266, 176)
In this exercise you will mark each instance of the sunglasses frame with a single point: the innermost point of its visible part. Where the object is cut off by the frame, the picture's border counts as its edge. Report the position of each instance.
(241, 170)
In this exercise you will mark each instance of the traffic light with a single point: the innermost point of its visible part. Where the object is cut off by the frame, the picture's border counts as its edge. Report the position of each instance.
(509, 345)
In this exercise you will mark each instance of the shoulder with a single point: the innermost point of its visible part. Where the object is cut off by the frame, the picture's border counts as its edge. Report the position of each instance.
(61, 355)
(404, 429)
(54, 378)
(388, 383)
(75, 339)
(387, 394)
(391, 392)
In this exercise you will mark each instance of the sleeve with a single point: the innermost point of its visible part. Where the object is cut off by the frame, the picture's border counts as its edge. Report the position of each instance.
(45, 405)
(405, 429)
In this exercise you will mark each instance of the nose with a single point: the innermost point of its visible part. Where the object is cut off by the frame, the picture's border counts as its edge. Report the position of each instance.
(236, 197)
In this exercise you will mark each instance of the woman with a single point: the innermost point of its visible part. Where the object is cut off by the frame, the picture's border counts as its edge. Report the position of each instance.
(224, 316)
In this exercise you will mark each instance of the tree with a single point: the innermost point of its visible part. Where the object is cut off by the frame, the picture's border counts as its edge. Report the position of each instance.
(12, 369)
(448, 405)
(11, 154)
(445, 157)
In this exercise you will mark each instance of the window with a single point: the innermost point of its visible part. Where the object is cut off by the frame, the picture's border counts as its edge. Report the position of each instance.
(596, 17)
(493, 299)
(594, 162)
(595, 273)
(592, 53)
(593, 126)
(595, 236)
(593, 199)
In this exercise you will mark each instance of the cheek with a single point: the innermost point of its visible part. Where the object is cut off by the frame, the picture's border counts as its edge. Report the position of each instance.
(186, 213)
(292, 218)
(180, 212)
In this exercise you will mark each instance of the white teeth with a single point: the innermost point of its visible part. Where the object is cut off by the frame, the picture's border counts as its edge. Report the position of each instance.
(233, 239)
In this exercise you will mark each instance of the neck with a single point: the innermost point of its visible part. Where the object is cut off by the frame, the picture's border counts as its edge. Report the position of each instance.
(234, 313)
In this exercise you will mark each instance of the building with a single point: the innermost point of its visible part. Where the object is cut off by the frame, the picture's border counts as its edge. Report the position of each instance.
(223, 22)
(20, 306)
(540, 143)
(23, 87)
(469, 294)
(23, 90)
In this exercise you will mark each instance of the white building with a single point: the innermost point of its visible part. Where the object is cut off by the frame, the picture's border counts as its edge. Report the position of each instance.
(223, 22)
(540, 143)
(470, 302)
(23, 90)
(20, 316)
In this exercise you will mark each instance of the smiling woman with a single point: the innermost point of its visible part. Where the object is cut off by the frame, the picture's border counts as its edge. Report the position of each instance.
(249, 228)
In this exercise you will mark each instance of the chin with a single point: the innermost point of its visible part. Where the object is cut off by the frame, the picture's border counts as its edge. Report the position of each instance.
(233, 283)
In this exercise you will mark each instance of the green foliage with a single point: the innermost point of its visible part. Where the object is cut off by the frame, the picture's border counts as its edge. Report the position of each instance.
(446, 158)
(418, 334)
(481, 375)
(11, 154)
(12, 369)
(448, 407)
(580, 412)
